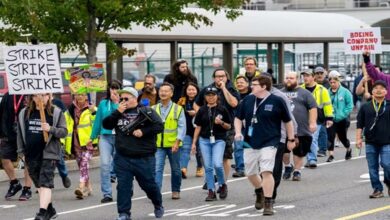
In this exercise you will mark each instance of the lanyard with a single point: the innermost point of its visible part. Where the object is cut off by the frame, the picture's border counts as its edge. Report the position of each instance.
(376, 106)
(255, 108)
(211, 119)
(16, 106)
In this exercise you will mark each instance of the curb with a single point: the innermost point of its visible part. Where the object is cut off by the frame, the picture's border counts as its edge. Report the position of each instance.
(70, 164)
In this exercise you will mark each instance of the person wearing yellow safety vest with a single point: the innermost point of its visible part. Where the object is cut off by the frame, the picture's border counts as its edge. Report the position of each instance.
(169, 141)
(79, 119)
(325, 113)
(251, 71)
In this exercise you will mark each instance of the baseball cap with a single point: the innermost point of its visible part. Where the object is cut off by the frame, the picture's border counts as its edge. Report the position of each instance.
(129, 90)
(307, 71)
(211, 90)
(380, 83)
(334, 74)
(319, 69)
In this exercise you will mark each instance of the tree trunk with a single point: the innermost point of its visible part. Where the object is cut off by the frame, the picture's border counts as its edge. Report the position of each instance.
(92, 41)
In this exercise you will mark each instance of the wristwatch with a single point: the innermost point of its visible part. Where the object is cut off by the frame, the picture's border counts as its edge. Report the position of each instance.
(291, 140)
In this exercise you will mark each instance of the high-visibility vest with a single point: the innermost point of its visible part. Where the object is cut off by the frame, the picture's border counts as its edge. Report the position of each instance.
(322, 97)
(84, 129)
(169, 136)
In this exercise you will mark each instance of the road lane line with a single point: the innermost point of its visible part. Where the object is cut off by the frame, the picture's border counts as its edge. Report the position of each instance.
(361, 214)
(183, 190)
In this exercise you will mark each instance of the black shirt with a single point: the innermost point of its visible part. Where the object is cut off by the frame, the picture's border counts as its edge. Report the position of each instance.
(379, 134)
(206, 117)
(36, 143)
(190, 127)
(179, 84)
(270, 114)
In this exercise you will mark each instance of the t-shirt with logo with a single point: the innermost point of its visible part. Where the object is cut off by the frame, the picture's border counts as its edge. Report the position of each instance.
(127, 117)
(269, 115)
(301, 102)
(34, 135)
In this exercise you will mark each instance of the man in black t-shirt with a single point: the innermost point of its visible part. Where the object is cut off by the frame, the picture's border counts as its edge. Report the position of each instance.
(374, 119)
(263, 114)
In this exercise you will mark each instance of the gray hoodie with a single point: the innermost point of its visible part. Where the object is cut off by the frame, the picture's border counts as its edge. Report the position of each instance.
(57, 130)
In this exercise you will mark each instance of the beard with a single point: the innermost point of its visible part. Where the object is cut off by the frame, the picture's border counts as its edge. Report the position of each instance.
(148, 89)
(291, 86)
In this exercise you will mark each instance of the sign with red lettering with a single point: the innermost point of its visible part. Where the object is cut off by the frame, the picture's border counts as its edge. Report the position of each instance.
(33, 69)
(359, 40)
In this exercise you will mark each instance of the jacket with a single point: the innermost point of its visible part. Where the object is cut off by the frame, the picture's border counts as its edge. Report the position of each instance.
(324, 104)
(342, 103)
(375, 75)
(84, 128)
(128, 145)
(7, 117)
(58, 130)
(105, 108)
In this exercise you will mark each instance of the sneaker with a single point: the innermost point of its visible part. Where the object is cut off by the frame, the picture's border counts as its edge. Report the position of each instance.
(66, 182)
(376, 194)
(330, 158)
(268, 207)
(321, 154)
(13, 189)
(348, 154)
(223, 191)
(175, 195)
(123, 216)
(212, 196)
(204, 187)
(307, 164)
(238, 174)
(26, 194)
(199, 172)
(259, 204)
(113, 179)
(106, 199)
(40, 216)
(233, 166)
(312, 164)
(296, 176)
(51, 212)
(184, 173)
(287, 172)
(159, 212)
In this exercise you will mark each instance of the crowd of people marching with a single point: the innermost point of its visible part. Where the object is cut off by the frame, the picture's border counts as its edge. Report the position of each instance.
(246, 119)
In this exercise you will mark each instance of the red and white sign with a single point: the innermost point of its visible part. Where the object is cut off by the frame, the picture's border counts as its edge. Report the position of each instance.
(360, 40)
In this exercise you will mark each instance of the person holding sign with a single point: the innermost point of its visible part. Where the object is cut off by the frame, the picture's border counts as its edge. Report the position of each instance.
(41, 157)
(375, 74)
(80, 118)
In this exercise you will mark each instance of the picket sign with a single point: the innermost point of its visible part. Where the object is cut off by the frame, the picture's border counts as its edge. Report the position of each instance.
(33, 69)
(357, 41)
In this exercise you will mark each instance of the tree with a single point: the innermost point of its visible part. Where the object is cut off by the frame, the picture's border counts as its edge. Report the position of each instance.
(82, 24)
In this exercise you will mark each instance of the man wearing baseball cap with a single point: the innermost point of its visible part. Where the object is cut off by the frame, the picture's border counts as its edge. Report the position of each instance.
(374, 119)
(136, 131)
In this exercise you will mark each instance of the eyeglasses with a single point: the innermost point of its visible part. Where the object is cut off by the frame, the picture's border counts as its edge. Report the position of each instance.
(319, 73)
(124, 99)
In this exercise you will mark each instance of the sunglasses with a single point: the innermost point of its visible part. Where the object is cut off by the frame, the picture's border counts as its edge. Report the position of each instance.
(124, 99)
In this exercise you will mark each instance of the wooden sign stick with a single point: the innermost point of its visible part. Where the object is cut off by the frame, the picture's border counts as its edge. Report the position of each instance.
(43, 117)
(365, 74)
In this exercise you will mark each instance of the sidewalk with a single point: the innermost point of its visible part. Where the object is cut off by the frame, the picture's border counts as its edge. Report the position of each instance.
(70, 164)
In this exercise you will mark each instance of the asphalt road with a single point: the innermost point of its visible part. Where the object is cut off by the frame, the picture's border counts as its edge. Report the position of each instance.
(334, 190)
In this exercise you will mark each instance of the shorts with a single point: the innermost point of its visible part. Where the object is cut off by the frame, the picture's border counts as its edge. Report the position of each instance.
(8, 150)
(42, 172)
(259, 160)
(303, 148)
(228, 153)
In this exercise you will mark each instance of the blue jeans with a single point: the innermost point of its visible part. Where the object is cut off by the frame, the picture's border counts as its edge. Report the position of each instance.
(373, 153)
(174, 161)
(213, 159)
(323, 139)
(61, 166)
(312, 155)
(143, 170)
(107, 153)
(239, 156)
(185, 151)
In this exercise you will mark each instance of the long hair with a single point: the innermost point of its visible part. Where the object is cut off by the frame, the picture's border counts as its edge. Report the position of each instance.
(184, 94)
(32, 107)
(114, 84)
(176, 76)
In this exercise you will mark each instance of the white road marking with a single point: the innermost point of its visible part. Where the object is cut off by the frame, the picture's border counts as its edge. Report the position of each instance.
(185, 189)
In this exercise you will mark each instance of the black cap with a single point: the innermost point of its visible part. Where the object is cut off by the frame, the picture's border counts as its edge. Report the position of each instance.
(211, 90)
(380, 83)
